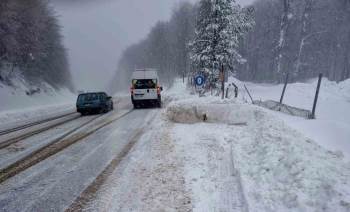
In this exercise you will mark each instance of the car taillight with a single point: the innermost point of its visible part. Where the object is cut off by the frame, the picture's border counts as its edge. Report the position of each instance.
(158, 89)
(132, 90)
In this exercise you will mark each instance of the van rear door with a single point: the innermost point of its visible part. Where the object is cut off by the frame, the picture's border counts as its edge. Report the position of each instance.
(145, 89)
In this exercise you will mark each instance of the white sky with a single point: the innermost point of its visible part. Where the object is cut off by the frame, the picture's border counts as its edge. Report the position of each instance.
(96, 32)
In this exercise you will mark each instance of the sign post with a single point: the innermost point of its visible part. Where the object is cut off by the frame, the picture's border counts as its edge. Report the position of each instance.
(199, 80)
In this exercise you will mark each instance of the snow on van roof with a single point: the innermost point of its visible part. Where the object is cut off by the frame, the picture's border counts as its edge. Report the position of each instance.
(145, 74)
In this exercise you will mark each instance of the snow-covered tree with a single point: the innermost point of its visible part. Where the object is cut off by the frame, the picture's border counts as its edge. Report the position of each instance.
(31, 44)
(219, 27)
(303, 38)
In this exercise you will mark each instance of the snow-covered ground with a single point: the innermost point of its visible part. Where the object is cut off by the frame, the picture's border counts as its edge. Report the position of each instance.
(17, 106)
(331, 129)
(247, 158)
(242, 158)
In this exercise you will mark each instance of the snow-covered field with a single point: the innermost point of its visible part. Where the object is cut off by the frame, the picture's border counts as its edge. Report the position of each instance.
(16, 106)
(331, 129)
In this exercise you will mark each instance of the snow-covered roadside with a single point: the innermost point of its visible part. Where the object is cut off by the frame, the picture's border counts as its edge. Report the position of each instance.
(282, 170)
(210, 176)
(16, 106)
(241, 158)
(246, 158)
(275, 167)
(149, 178)
(331, 129)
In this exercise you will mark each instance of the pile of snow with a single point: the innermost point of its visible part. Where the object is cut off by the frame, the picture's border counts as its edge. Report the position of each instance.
(283, 170)
(276, 168)
(331, 129)
(209, 110)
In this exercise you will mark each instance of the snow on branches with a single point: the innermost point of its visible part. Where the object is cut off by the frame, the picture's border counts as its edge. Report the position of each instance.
(219, 26)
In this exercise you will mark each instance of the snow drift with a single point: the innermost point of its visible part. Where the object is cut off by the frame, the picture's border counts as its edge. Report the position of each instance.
(279, 168)
(214, 112)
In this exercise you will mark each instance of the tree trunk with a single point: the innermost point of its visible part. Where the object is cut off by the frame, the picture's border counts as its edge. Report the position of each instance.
(282, 37)
(303, 34)
(346, 70)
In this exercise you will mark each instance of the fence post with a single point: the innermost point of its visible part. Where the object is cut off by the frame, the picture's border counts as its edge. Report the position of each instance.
(284, 88)
(313, 115)
(222, 82)
(249, 94)
(236, 89)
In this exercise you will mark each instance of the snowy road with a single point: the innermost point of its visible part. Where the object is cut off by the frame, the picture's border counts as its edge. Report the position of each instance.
(56, 182)
(241, 158)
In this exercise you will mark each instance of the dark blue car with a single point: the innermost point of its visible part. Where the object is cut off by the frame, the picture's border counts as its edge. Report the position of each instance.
(94, 103)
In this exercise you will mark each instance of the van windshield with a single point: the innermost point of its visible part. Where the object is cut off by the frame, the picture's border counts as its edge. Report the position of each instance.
(144, 83)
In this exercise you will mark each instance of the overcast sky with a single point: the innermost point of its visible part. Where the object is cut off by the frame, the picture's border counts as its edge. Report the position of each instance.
(97, 31)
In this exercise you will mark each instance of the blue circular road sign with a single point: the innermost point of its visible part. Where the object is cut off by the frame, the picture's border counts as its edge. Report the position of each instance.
(199, 80)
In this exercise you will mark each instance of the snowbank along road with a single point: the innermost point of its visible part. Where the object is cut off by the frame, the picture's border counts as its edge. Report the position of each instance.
(241, 158)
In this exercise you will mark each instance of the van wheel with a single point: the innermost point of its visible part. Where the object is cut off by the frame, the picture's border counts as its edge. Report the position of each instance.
(159, 104)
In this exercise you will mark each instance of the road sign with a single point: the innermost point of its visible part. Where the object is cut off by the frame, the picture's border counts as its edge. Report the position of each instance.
(199, 80)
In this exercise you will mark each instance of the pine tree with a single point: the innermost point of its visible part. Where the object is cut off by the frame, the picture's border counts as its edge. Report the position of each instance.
(220, 24)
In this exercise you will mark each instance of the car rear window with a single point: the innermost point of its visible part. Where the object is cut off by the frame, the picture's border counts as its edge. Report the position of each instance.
(144, 83)
(90, 97)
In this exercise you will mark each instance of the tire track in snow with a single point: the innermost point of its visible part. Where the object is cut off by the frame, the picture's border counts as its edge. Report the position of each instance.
(35, 123)
(54, 147)
(149, 177)
(90, 192)
(18, 138)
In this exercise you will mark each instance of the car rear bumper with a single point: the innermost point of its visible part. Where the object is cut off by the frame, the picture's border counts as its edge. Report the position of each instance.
(89, 109)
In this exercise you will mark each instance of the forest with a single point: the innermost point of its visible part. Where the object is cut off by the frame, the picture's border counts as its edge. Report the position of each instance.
(301, 38)
(165, 48)
(31, 45)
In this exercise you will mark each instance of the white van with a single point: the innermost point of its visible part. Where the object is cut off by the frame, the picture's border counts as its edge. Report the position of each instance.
(145, 88)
